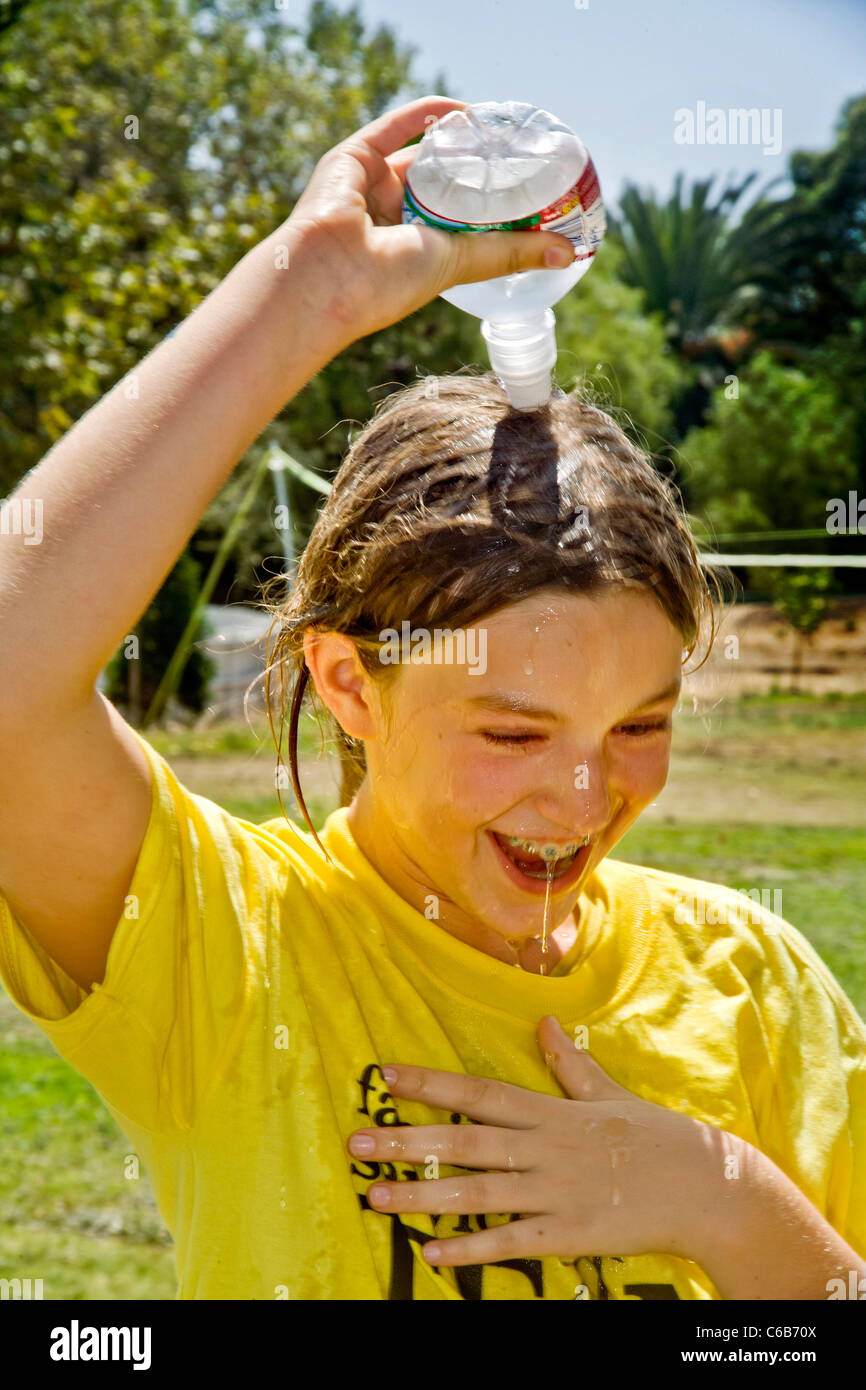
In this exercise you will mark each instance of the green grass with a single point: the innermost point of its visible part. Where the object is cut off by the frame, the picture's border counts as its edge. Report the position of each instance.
(234, 738)
(70, 1216)
(765, 793)
(784, 714)
(266, 808)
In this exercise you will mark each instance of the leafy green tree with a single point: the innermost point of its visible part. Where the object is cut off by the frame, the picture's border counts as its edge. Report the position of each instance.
(111, 233)
(802, 599)
(785, 273)
(778, 443)
(138, 162)
(690, 259)
(684, 255)
(813, 288)
(606, 337)
(10, 11)
(809, 295)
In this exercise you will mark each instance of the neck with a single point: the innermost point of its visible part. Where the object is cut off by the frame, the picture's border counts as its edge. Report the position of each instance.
(378, 843)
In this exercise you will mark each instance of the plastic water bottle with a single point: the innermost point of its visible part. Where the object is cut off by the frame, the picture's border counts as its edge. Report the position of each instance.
(508, 166)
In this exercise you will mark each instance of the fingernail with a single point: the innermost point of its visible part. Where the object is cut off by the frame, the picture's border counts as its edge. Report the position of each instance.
(558, 257)
(389, 1074)
(362, 1143)
(380, 1195)
(432, 1252)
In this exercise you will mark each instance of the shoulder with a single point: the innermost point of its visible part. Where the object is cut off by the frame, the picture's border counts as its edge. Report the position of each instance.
(209, 840)
(734, 934)
(702, 906)
(693, 899)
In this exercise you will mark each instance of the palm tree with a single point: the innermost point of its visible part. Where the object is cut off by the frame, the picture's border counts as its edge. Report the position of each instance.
(700, 259)
(682, 255)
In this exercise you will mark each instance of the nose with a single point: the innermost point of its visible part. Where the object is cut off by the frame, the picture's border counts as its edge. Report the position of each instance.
(577, 796)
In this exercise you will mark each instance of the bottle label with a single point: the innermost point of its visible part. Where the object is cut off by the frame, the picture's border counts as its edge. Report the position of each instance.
(578, 215)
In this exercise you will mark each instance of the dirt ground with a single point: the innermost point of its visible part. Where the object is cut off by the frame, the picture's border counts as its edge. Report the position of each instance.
(756, 650)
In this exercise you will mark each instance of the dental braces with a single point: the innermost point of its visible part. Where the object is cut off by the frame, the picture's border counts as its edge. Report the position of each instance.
(547, 851)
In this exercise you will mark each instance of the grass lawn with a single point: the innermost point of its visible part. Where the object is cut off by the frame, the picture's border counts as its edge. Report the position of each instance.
(767, 793)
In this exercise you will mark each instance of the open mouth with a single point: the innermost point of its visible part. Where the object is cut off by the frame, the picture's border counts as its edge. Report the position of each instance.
(526, 861)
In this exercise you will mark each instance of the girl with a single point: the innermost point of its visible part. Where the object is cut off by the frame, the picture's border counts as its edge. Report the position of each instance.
(299, 1033)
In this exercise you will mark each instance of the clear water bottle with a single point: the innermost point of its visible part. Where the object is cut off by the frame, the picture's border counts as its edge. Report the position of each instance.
(508, 166)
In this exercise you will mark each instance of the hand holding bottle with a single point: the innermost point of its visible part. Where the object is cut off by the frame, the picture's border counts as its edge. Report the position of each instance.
(506, 166)
(362, 268)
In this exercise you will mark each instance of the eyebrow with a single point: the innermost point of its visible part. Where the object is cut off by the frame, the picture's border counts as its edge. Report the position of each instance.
(501, 702)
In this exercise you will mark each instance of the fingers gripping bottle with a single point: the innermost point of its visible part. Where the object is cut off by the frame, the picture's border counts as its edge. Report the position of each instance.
(508, 166)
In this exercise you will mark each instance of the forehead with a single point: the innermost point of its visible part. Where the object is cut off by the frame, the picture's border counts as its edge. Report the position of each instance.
(602, 623)
(565, 652)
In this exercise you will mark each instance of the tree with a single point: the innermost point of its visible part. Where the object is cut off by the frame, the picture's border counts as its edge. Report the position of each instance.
(809, 295)
(813, 287)
(778, 443)
(111, 234)
(685, 256)
(605, 333)
(10, 11)
(801, 597)
(138, 162)
(693, 264)
(785, 273)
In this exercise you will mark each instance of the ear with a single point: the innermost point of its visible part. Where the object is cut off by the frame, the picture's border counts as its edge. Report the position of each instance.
(576, 1071)
(340, 680)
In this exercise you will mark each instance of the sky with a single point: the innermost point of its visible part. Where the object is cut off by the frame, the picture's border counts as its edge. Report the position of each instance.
(617, 71)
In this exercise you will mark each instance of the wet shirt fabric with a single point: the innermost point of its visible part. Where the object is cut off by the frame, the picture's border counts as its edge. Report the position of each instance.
(253, 992)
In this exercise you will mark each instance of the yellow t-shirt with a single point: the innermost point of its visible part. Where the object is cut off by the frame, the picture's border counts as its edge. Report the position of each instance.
(252, 991)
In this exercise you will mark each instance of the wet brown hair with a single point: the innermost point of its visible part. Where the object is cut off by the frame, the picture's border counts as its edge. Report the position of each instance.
(450, 505)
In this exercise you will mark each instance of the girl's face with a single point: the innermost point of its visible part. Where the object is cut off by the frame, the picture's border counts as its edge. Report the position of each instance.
(562, 733)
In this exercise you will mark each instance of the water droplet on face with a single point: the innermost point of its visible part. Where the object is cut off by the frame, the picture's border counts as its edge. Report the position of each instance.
(528, 668)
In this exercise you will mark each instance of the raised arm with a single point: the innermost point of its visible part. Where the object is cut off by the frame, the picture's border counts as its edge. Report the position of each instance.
(121, 493)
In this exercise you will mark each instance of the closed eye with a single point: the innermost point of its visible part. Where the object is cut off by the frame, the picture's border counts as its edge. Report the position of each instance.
(635, 730)
(515, 740)
(632, 730)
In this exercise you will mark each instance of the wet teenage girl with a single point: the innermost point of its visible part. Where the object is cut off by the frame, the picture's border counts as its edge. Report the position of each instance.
(448, 1048)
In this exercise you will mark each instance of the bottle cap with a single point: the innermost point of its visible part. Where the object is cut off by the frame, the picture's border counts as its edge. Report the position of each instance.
(523, 354)
(529, 395)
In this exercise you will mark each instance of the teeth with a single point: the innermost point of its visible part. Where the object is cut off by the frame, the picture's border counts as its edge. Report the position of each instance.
(547, 851)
